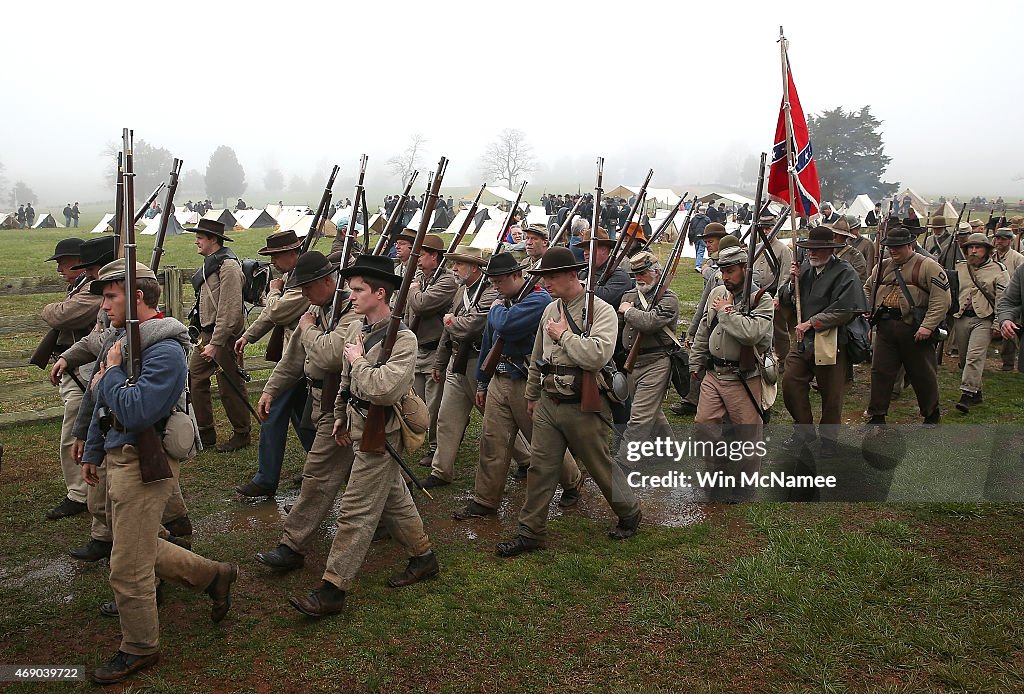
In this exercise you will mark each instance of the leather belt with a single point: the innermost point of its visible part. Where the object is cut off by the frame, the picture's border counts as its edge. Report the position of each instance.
(724, 363)
(664, 349)
(429, 346)
(969, 313)
(315, 382)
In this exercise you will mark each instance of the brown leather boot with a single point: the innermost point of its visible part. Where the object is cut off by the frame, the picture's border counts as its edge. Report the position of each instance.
(326, 600)
(418, 569)
(219, 590)
(236, 442)
(122, 666)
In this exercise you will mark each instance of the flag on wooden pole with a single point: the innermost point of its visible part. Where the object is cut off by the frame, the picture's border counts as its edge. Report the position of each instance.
(793, 173)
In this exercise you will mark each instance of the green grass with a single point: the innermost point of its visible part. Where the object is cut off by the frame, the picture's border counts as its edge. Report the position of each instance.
(754, 598)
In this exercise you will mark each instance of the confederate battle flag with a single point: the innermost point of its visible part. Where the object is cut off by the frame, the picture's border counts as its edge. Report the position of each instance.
(808, 191)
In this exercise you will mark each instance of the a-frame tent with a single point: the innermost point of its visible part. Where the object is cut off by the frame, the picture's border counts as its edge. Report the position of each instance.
(152, 225)
(223, 216)
(9, 220)
(254, 219)
(106, 224)
(46, 221)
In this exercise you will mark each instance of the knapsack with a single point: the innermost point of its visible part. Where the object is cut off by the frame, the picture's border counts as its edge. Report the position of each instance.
(255, 280)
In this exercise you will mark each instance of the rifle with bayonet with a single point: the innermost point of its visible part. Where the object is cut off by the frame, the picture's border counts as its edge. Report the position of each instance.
(883, 229)
(315, 229)
(621, 246)
(374, 439)
(386, 239)
(153, 464)
(748, 360)
(590, 396)
(490, 362)
(331, 380)
(664, 225)
(461, 358)
(275, 344)
(667, 275)
(456, 240)
(165, 217)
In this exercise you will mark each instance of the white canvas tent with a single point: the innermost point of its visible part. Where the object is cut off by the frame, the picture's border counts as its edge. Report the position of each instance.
(223, 216)
(152, 225)
(919, 204)
(106, 224)
(500, 192)
(9, 220)
(184, 216)
(663, 196)
(46, 221)
(302, 224)
(860, 206)
(254, 219)
(278, 211)
(949, 212)
(735, 198)
(286, 220)
(487, 237)
(482, 214)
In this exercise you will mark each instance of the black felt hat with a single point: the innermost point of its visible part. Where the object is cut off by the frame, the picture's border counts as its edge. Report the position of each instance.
(378, 267)
(502, 264)
(67, 247)
(310, 267)
(557, 259)
(99, 251)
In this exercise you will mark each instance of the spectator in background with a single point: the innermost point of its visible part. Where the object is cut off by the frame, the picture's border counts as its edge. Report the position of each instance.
(75, 213)
(697, 225)
(30, 215)
(67, 215)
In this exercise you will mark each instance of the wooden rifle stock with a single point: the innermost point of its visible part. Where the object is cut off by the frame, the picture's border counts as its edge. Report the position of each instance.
(44, 352)
(374, 439)
(671, 265)
(590, 396)
(153, 464)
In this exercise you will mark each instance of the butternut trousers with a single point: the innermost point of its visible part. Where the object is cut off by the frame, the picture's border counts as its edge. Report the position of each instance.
(139, 556)
(560, 427)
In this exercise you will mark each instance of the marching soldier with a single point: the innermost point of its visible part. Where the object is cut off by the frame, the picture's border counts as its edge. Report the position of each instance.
(981, 281)
(771, 278)
(726, 330)
(618, 282)
(1012, 260)
(560, 356)
(138, 556)
(463, 328)
(1008, 311)
(428, 303)
(654, 325)
(502, 395)
(220, 319)
(940, 238)
(283, 309)
(716, 239)
(74, 317)
(841, 234)
(830, 297)
(376, 492)
(861, 242)
(312, 353)
(85, 354)
(908, 305)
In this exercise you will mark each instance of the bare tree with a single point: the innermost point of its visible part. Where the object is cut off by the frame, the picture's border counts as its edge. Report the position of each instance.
(508, 158)
(402, 165)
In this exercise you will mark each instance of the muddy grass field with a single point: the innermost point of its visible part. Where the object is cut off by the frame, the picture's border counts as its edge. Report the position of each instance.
(893, 596)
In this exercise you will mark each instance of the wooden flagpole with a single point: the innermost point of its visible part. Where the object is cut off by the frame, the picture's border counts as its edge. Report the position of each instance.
(791, 170)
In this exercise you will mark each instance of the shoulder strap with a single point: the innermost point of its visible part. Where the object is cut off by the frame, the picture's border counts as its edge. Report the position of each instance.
(568, 317)
(903, 286)
(646, 305)
(974, 280)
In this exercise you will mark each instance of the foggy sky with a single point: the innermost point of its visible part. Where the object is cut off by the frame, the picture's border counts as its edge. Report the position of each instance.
(689, 92)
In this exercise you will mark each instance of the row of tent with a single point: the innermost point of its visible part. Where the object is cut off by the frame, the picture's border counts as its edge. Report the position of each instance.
(9, 220)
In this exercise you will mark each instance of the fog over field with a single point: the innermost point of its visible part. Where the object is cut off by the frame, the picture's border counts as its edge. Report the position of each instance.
(689, 90)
